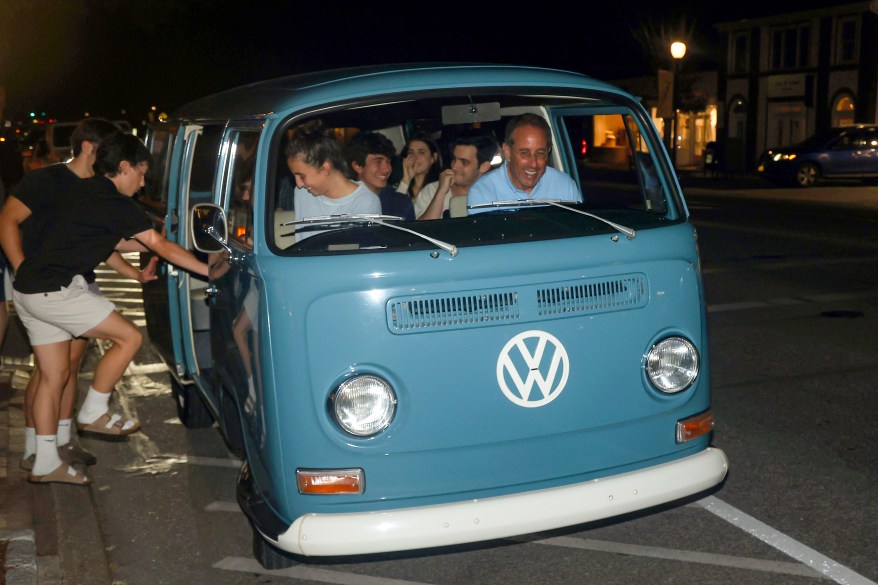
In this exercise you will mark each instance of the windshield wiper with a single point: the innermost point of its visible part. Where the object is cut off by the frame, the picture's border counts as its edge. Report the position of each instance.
(514, 203)
(629, 232)
(370, 218)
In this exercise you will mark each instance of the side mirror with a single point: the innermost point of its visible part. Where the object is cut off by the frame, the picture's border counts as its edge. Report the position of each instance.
(208, 226)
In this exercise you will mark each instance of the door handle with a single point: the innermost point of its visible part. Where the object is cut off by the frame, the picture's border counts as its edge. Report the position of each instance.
(210, 293)
(174, 221)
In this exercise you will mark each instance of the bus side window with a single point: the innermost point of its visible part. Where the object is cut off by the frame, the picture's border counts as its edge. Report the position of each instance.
(242, 189)
(615, 166)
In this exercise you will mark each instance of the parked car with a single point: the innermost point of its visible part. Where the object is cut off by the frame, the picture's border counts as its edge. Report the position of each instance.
(850, 152)
(394, 385)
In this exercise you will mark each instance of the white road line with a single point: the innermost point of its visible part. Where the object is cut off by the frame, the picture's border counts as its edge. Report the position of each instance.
(685, 556)
(308, 573)
(223, 507)
(789, 546)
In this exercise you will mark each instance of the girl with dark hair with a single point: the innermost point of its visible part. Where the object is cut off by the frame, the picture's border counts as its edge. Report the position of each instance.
(420, 165)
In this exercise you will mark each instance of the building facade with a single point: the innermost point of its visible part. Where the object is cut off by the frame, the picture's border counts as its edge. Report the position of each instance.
(784, 77)
(695, 117)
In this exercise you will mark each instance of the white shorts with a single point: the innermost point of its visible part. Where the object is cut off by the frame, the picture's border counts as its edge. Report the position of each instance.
(61, 315)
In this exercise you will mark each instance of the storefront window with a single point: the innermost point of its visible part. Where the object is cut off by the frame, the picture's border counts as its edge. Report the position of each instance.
(843, 111)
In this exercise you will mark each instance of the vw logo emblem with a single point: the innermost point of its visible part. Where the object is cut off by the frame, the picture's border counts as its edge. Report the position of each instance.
(532, 358)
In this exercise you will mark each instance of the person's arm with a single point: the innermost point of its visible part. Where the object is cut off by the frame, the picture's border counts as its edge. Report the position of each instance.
(408, 175)
(437, 204)
(173, 253)
(126, 269)
(14, 212)
(132, 245)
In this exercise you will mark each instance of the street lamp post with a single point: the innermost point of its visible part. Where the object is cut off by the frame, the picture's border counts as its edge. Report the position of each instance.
(678, 51)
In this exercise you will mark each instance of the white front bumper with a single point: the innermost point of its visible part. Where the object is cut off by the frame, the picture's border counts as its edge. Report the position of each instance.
(502, 516)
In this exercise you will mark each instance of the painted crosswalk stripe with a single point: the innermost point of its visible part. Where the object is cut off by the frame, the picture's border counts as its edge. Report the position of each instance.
(785, 544)
(685, 556)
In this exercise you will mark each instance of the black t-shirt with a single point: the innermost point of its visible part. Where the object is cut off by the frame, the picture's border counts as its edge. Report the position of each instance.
(39, 190)
(81, 231)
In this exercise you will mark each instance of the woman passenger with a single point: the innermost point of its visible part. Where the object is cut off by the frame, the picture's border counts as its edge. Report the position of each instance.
(315, 158)
(420, 166)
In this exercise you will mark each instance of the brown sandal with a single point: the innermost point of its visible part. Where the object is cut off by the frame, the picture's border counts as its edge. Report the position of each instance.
(62, 474)
(108, 427)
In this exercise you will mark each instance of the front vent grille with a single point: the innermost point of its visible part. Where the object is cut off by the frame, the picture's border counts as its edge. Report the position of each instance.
(593, 296)
(437, 312)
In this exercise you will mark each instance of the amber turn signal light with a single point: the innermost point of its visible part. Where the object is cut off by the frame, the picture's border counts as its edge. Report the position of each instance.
(694, 427)
(327, 482)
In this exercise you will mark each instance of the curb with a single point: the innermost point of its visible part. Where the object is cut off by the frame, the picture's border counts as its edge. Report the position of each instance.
(21, 557)
(52, 532)
(80, 543)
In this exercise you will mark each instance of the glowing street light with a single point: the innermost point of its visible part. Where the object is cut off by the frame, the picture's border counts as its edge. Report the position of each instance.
(678, 51)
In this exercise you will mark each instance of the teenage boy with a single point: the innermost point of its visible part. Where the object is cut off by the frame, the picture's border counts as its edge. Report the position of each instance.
(22, 224)
(369, 155)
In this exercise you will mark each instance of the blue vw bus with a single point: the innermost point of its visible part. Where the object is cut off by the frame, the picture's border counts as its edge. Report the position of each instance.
(394, 385)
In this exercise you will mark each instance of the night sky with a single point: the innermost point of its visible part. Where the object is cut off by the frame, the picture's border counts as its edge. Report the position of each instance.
(66, 57)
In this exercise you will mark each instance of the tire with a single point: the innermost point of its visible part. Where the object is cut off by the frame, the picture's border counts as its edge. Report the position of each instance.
(806, 175)
(232, 432)
(190, 407)
(270, 557)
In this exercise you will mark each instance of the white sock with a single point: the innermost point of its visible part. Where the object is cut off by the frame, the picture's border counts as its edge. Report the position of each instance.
(47, 455)
(64, 431)
(94, 406)
(30, 442)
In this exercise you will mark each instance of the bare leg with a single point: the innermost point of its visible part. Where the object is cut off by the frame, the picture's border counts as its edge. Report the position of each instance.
(126, 341)
(68, 396)
(29, 392)
(240, 328)
(55, 366)
(48, 467)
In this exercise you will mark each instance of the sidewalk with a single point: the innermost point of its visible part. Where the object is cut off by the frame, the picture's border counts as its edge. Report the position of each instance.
(49, 534)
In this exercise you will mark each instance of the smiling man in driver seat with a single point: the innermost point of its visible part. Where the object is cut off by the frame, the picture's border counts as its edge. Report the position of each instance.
(525, 173)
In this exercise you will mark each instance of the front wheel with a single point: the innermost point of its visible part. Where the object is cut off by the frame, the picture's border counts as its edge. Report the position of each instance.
(191, 409)
(270, 557)
(807, 174)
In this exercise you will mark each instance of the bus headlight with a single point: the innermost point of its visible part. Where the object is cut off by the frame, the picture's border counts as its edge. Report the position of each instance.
(672, 364)
(363, 406)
